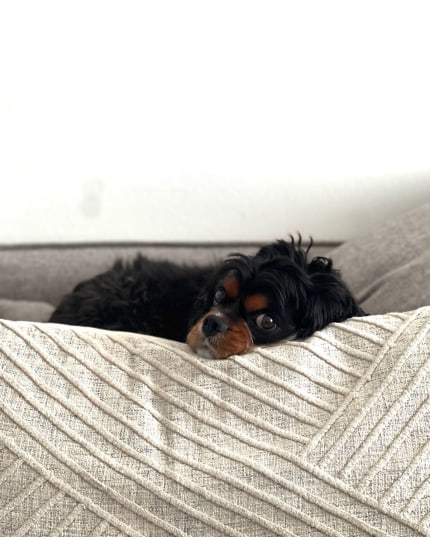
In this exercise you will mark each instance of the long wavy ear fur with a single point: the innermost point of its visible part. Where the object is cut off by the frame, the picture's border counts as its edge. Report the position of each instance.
(328, 298)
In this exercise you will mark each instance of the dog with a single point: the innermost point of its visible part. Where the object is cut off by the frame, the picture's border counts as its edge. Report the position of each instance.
(219, 310)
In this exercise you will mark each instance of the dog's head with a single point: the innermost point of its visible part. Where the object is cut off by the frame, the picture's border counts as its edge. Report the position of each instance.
(261, 299)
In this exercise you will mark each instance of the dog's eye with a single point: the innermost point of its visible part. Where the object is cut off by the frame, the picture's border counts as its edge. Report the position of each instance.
(219, 297)
(265, 322)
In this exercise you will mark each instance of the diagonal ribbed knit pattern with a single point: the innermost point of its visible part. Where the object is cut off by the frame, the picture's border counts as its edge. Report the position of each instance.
(114, 434)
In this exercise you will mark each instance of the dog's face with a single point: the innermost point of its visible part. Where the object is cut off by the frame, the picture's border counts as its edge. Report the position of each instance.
(262, 299)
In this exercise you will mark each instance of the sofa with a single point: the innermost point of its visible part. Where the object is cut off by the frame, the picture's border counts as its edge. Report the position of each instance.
(110, 433)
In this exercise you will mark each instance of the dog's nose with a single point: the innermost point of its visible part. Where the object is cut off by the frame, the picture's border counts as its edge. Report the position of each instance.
(213, 325)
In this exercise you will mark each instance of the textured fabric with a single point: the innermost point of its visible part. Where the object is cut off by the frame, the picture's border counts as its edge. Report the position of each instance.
(389, 268)
(107, 434)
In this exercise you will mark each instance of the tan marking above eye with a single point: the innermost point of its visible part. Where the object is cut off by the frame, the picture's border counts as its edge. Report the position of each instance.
(231, 287)
(256, 302)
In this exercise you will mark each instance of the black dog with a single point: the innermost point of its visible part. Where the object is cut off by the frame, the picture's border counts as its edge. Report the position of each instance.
(221, 310)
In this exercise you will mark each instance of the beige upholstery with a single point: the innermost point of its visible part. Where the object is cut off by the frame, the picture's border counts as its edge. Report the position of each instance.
(117, 434)
(389, 268)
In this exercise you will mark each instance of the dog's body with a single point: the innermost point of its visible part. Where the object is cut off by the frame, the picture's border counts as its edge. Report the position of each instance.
(219, 310)
(144, 296)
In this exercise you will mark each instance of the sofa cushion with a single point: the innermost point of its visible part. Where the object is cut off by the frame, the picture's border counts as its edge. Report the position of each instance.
(389, 268)
(110, 434)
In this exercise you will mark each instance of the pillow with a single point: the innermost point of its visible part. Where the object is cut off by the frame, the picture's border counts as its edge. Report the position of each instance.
(389, 269)
(108, 434)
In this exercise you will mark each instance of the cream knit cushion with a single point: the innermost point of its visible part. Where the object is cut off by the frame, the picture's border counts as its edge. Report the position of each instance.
(113, 434)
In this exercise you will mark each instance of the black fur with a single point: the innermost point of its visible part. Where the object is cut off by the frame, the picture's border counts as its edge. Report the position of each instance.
(165, 299)
(144, 296)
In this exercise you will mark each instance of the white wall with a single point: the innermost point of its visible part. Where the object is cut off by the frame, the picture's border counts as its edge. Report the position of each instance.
(195, 121)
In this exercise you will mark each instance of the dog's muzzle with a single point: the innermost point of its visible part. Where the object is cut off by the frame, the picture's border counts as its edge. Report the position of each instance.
(216, 335)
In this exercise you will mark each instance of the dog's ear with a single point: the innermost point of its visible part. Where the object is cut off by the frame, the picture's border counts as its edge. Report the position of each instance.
(328, 298)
